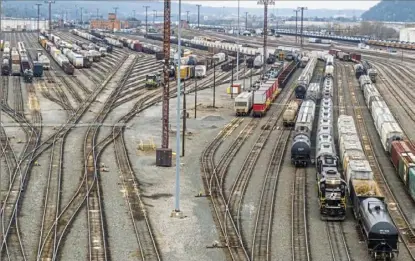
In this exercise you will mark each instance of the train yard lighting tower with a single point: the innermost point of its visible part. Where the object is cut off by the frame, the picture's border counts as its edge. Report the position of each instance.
(296, 27)
(97, 13)
(38, 18)
(146, 7)
(265, 3)
(187, 13)
(50, 2)
(134, 14)
(302, 19)
(246, 21)
(198, 16)
(82, 11)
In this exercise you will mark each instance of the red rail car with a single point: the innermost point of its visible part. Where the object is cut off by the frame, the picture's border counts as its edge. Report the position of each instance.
(334, 52)
(356, 57)
(270, 90)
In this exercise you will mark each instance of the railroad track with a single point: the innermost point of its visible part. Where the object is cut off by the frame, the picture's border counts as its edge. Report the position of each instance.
(57, 89)
(4, 89)
(10, 158)
(18, 97)
(338, 247)
(300, 244)
(148, 249)
(261, 240)
(401, 222)
(47, 241)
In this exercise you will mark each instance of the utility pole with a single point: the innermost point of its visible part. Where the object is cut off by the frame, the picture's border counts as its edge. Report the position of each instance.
(50, 2)
(38, 18)
(164, 154)
(82, 11)
(237, 52)
(187, 12)
(147, 7)
(296, 27)
(302, 18)
(154, 17)
(246, 21)
(232, 79)
(198, 25)
(265, 3)
(184, 117)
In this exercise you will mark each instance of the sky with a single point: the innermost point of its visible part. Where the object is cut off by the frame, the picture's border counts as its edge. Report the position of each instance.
(363, 5)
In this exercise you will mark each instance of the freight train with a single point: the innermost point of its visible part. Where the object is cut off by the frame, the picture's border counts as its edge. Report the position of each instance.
(369, 70)
(25, 66)
(400, 151)
(15, 62)
(305, 78)
(331, 188)
(57, 55)
(270, 89)
(369, 208)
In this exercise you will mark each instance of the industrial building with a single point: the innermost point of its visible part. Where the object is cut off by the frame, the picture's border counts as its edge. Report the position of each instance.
(407, 34)
(22, 24)
(111, 24)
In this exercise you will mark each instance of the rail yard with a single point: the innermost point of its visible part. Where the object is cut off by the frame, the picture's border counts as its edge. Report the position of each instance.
(312, 161)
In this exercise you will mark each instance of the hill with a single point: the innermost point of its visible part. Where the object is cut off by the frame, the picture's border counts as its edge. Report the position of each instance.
(391, 10)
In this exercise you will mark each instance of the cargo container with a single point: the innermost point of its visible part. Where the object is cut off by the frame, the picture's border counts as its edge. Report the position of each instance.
(412, 183)
(406, 162)
(37, 69)
(399, 147)
(186, 72)
(200, 71)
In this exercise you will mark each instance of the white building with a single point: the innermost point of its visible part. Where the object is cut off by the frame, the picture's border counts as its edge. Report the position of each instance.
(20, 24)
(407, 34)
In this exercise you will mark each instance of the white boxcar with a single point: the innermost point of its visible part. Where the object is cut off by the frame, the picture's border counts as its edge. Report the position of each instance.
(363, 80)
(77, 60)
(200, 71)
(329, 71)
(61, 59)
(260, 97)
(370, 93)
(243, 104)
(389, 133)
(359, 169)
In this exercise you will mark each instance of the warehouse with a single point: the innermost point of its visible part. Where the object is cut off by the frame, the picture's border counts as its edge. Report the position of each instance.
(407, 34)
(21, 24)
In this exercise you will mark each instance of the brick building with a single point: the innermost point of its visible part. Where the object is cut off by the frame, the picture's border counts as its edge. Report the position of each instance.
(111, 24)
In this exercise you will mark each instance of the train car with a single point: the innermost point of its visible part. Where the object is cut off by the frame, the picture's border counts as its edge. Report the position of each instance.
(369, 70)
(313, 92)
(334, 52)
(26, 69)
(243, 104)
(329, 59)
(329, 71)
(305, 78)
(37, 69)
(258, 62)
(1, 45)
(186, 72)
(15, 68)
(200, 71)
(77, 60)
(342, 56)
(250, 62)
(355, 57)
(5, 67)
(7, 53)
(301, 146)
(304, 61)
(113, 42)
(290, 114)
(327, 91)
(358, 70)
(369, 208)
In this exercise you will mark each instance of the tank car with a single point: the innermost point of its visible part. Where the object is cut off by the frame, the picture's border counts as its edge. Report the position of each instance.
(329, 71)
(305, 78)
(329, 59)
(258, 62)
(290, 113)
(301, 147)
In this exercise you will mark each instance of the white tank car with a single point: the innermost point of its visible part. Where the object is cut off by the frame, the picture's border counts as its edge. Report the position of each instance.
(200, 71)
(325, 137)
(258, 62)
(329, 71)
(327, 87)
(243, 104)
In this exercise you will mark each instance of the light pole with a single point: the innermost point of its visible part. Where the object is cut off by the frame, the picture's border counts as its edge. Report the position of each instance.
(296, 27)
(265, 3)
(146, 7)
(198, 16)
(237, 51)
(177, 197)
(302, 17)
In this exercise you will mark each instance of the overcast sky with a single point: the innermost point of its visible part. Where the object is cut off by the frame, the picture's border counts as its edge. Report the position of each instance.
(364, 5)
